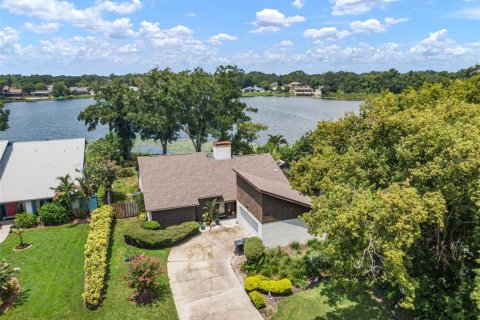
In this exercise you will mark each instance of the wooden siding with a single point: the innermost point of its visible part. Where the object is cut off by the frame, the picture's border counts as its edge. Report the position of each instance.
(276, 209)
(171, 217)
(250, 198)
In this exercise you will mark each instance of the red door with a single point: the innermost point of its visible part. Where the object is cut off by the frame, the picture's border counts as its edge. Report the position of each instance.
(11, 209)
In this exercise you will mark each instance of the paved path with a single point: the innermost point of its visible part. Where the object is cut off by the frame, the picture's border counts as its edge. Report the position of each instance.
(203, 283)
(5, 230)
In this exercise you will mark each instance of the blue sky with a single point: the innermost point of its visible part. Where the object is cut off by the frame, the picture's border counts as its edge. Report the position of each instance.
(103, 36)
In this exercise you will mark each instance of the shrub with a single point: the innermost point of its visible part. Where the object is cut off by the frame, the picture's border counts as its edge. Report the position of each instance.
(25, 220)
(125, 173)
(295, 245)
(316, 261)
(96, 254)
(263, 284)
(136, 236)
(150, 225)
(52, 214)
(253, 249)
(142, 216)
(257, 299)
(7, 284)
(143, 275)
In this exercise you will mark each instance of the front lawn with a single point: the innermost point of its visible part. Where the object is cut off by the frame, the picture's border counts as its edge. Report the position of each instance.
(52, 277)
(329, 302)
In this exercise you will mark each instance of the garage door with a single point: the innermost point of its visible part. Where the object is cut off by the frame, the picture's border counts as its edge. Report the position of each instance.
(247, 221)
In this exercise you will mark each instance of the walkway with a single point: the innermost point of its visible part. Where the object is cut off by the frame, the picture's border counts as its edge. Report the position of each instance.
(203, 283)
(4, 230)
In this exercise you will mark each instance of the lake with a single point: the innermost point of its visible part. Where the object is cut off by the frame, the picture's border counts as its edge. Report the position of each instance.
(57, 119)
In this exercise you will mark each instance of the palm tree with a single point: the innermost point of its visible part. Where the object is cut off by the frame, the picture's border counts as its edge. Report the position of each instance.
(65, 192)
(276, 141)
(209, 208)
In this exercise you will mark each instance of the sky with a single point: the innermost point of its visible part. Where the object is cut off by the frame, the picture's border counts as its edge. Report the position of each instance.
(74, 37)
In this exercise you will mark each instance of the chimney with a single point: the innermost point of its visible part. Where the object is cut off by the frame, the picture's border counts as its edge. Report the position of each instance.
(222, 150)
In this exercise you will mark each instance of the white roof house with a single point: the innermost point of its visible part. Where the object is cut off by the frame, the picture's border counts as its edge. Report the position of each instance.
(28, 170)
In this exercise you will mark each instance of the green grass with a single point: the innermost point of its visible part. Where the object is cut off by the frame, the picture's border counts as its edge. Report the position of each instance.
(51, 277)
(329, 302)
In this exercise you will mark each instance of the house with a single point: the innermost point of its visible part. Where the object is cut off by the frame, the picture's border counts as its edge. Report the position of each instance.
(11, 92)
(300, 90)
(251, 188)
(79, 90)
(253, 89)
(28, 171)
(40, 93)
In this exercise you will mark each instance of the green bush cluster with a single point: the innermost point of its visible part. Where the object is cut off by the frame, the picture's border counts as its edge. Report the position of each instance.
(52, 214)
(263, 284)
(257, 299)
(125, 172)
(136, 236)
(253, 249)
(96, 254)
(151, 225)
(25, 220)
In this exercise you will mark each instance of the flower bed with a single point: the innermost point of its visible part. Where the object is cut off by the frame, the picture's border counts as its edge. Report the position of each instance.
(96, 255)
(137, 236)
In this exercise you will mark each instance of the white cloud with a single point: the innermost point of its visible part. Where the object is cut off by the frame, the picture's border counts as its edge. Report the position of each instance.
(438, 45)
(272, 20)
(286, 43)
(8, 37)
(219, 38)
(135, 47)
(390, 20)
(89, 19)
(368, 26)
(327, 33)
(49, 27)
(467, 13)
(298, 3)
(355, 7)
(122, 7)
(191, 14)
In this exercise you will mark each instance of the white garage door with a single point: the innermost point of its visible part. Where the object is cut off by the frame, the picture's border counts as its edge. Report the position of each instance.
(247, 220)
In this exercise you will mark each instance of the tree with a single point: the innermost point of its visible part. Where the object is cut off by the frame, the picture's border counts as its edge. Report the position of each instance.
(4, 114)
(65, 192)
(107, 147)
(59, 89)
(158, 117)
(396, 190)
(102, 173)
(114, 104)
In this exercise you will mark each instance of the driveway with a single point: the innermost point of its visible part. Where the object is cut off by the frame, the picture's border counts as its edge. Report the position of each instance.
(203, 283)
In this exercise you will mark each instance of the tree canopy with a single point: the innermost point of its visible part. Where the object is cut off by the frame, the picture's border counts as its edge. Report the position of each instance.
(396, 189)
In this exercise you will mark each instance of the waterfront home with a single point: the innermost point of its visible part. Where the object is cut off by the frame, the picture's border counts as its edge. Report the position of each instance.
(79, 90)
(252, 89)
(40, 93)
(251, 188)
(11, 92)
(29, 170)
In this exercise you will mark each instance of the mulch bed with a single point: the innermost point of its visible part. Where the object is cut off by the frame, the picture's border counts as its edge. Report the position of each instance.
(10, 301)
(21, 247)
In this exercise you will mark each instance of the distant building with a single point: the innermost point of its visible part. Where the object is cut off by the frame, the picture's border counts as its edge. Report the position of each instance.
(11, 92)
(300, 90)
(252, 89)
(79, 90)
(40, 93)
(29, 170)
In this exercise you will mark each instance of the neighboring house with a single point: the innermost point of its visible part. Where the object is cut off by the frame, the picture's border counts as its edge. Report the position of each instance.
(253, 188)
(40, 93)
(11, 92)
(28, 171)
(79, 90)
(253, 89)
(300, 90)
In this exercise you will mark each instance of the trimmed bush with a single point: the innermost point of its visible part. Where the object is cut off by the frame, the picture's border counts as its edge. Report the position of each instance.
(253, 249)
(257, 299)
(96, 254)
(136, 236)
(52, 214)
(25, 220)
(263, 284)
(150, 225)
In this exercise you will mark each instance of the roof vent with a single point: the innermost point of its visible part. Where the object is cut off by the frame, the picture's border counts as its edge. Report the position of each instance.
(222, 150)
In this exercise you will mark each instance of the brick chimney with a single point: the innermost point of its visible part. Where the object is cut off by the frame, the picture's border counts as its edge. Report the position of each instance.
(222, 150)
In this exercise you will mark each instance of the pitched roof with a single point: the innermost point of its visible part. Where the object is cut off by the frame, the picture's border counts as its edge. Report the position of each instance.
(174, 181)
(275, 188)
(29, 169)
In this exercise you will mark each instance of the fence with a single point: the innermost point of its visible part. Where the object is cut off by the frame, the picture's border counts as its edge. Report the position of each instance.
(125, 209)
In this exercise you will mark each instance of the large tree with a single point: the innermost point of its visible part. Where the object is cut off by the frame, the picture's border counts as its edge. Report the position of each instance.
(396, 189)
(4, 114)
(158, 115)
(211, 106)
(114, 104)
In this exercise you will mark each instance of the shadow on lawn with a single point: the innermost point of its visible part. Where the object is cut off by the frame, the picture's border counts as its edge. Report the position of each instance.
(364, 306)
(22, 299)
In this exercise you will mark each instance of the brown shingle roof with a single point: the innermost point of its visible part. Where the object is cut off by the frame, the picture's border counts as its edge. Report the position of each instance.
(174, 181)
(275, 188)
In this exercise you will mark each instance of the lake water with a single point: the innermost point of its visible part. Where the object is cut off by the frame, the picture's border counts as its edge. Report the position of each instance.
(50, 119)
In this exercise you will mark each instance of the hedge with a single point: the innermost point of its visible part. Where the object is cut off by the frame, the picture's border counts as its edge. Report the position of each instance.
(150, 225)
(25, 220)
(137, 236)
(263, 284)
(257, 299)
(253, 249)
(53, 214)
(96, 254)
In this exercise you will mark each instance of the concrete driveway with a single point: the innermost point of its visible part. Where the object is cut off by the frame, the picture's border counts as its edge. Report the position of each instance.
(203, 283)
